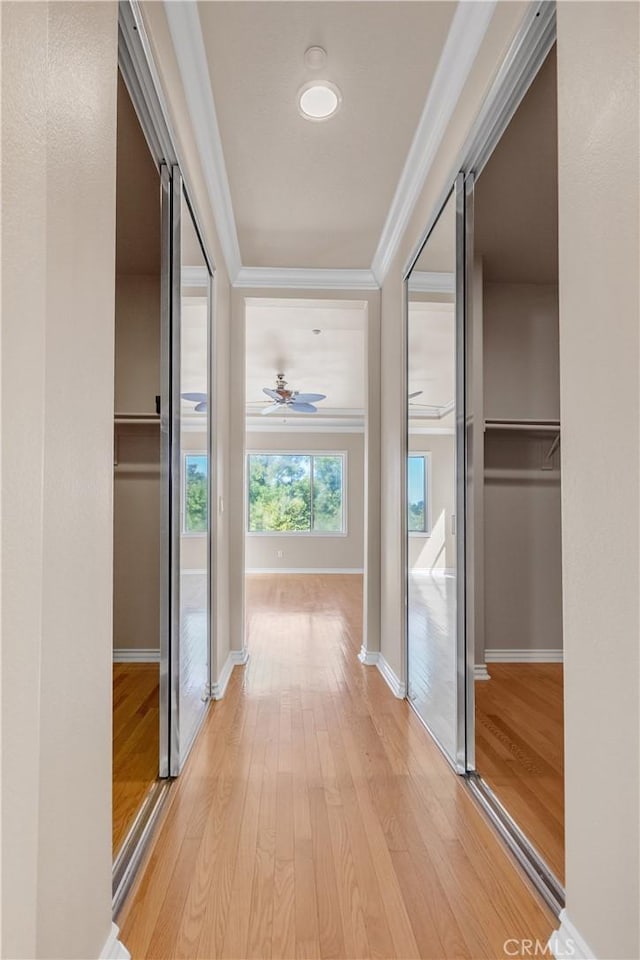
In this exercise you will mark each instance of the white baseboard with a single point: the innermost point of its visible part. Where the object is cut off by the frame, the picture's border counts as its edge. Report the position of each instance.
(370, 658)
(480, 672)
(304, 570)
(136, 655)
(539, 655)
(565, 943)
(236, 658)
(395, 684)
(113, 948)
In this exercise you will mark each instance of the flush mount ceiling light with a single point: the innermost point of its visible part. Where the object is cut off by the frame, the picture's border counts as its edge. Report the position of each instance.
(318, 100)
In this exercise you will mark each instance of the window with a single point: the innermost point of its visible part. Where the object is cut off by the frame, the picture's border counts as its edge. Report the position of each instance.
(418, 493)
(196, 493)
(296, 493)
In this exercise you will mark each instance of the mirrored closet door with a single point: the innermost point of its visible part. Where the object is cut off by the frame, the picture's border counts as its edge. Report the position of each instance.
(519, 732)
(193, 446)
(434, 496)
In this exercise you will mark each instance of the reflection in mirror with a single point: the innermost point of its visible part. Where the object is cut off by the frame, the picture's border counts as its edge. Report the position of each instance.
(431, 483)
(194, 500)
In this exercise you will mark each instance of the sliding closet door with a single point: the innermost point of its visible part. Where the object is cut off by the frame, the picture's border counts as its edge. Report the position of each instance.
(186, 437)
(435, 475)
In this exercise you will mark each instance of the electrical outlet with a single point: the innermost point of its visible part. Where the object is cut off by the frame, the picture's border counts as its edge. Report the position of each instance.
(279, 554)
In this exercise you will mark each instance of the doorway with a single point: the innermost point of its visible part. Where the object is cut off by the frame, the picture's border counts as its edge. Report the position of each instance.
(305, 469)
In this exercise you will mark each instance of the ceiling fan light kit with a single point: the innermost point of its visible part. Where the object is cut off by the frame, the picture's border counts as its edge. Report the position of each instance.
(290, 399)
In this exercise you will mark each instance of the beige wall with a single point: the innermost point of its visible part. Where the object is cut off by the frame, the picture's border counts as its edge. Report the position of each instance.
(136, 504)
(598, 111)
(58, 209)
(522, 515)
(302, 552)
(521, 351)
(438, 550)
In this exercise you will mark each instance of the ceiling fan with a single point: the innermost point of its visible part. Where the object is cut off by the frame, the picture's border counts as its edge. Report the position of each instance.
(285, 400)
(200, 400)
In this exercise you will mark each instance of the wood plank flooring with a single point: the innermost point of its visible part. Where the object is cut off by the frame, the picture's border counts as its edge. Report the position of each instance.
(135, 741)
(520, 750)
(315, 817)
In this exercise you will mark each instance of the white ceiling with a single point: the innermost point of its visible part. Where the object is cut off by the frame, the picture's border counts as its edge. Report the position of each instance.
(317, 194)
(279, 339)
(431, 341)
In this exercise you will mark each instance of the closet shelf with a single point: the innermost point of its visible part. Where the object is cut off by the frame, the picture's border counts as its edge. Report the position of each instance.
(133, 419)
(551, 426)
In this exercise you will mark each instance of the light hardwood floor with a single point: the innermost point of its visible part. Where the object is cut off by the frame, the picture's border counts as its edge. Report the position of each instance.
(135, 741)
(316, 818)
(520, 750)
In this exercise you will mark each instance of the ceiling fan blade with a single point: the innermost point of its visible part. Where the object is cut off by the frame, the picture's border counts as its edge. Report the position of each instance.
(298, 407)
(195, 397)
(309, 397)
(201, 407)
(416, 393)
(271, 393)
(270, 409)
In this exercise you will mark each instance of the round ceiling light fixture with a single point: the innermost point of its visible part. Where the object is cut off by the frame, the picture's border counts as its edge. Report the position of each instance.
(319, 100)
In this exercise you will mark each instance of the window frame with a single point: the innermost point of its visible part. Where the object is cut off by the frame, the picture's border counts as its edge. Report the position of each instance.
(426, 455)
(343, 454)
(183, 497)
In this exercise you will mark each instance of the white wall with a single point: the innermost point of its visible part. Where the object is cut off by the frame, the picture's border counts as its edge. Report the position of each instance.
(309, 552)
(58, 209)
(599, 199)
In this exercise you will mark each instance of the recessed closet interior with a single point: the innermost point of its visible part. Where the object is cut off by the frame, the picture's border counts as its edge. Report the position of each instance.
(137, 474)
(517, 508)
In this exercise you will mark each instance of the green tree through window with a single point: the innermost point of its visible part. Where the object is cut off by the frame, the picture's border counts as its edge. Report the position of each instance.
(196, 493)
(295, 493)
(417, 494)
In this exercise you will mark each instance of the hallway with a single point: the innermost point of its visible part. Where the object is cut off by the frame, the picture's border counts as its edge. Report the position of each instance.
(316, 818)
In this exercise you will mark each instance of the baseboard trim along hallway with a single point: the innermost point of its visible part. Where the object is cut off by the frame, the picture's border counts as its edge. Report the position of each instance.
(236, 658)
(566, 943)
(539, 655)
(113, 948)
(373, 658)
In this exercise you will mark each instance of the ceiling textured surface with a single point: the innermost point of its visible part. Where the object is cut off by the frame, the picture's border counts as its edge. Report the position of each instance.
(280, 339)
(317, 194)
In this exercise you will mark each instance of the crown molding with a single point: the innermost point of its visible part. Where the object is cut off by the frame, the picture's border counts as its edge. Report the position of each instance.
(421, 281)
(186, 34)
(467, 31)
(300, 278)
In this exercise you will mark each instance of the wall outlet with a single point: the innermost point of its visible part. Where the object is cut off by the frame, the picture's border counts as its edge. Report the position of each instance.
(279, 554)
